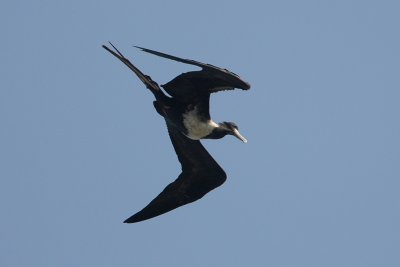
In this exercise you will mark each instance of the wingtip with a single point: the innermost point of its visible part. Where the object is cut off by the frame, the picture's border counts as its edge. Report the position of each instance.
(139, 47)
(129, 221)
(135, 218)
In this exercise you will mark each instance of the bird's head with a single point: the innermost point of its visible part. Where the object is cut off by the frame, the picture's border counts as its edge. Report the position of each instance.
(232, 129)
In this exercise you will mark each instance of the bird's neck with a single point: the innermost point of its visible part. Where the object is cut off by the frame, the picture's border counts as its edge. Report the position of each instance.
(217, 132)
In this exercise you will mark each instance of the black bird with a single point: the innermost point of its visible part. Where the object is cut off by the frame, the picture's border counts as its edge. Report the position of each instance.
(188, 120)
(188, 108)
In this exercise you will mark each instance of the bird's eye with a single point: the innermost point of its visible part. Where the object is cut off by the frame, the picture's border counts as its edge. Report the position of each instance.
(233, 125)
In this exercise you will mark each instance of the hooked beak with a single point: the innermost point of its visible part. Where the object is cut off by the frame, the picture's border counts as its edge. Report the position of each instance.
(239, 136)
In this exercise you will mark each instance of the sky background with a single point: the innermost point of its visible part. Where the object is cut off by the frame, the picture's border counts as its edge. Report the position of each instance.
(82, 148)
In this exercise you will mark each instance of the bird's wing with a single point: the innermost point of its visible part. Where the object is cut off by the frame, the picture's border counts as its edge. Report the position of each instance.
(200, 174)
(209, 80)
(150, 84)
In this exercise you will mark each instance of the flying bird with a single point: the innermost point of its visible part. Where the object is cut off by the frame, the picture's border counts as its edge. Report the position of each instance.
(186, 112)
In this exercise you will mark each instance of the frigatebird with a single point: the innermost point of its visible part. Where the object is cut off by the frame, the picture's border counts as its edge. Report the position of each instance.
(186, 112)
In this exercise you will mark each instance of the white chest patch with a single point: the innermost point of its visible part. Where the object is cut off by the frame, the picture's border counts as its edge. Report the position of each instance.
(197, 128)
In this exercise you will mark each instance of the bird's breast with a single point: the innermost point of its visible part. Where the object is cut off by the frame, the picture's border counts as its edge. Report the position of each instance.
(196, 126)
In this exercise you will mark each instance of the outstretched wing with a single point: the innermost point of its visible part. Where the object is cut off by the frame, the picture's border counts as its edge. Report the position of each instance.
(206, 81)
(200, 174)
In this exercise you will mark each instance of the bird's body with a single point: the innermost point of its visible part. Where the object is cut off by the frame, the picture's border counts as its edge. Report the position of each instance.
(196, 125)
(190, 119)
(186, 112)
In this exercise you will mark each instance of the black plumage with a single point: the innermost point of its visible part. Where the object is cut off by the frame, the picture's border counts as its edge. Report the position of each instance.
(186, 112)
(200, 174)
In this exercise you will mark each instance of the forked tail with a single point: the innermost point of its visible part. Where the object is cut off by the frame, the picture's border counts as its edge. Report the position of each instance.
(150, 84)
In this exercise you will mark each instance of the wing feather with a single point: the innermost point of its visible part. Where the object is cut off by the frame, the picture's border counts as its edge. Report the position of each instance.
(200, 174)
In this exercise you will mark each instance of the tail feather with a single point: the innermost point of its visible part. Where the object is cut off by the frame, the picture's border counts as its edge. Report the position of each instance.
(148, 82)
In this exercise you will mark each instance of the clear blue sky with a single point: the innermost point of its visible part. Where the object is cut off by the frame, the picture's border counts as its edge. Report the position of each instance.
(82, 149)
